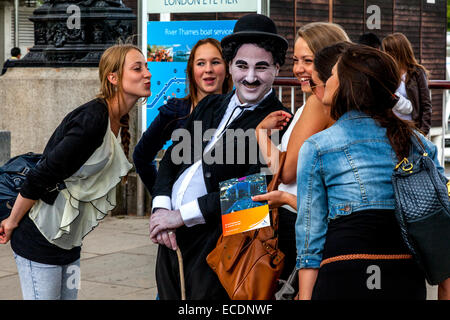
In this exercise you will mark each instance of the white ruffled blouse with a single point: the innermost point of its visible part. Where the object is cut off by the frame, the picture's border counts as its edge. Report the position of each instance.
(89, 196)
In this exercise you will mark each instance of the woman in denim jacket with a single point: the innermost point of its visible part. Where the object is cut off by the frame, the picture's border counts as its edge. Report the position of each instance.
(207, 73)
(348, 241)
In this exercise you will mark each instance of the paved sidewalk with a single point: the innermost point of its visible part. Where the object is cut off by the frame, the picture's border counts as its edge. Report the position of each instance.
(117, 263)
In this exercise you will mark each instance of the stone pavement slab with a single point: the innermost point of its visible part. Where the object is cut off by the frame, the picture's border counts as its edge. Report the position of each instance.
(117, 238)
(91, 290)
(150, 249)
(7, 262)
(121, 269)
(5, 250)
(4, 274)
(10, 288)
(141, 295)
(117, 262)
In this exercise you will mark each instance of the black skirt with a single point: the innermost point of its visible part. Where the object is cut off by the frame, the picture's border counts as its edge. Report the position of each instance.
(368, 232)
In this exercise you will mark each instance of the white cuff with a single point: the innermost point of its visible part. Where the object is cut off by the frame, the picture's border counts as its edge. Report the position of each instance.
(403, 105)
(162, 202)
(191, 214)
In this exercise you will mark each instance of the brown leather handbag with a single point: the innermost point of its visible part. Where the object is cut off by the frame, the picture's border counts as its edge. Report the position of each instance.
(249, 264)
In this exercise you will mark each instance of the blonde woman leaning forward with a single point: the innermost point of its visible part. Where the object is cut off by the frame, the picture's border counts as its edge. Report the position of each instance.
(73, 186)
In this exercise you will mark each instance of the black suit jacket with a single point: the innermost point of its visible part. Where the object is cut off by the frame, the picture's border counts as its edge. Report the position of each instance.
(197, 242)
(210, 112)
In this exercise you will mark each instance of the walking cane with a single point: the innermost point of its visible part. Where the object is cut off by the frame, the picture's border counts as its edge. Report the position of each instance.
(180, 267)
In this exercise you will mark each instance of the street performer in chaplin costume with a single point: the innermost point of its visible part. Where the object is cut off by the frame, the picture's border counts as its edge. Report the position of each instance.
(186, 205)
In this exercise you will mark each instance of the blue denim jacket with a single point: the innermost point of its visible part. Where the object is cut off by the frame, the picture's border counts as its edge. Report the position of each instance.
(343, 169)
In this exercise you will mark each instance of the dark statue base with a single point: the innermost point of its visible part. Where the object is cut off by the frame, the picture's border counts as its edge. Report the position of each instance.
(61, 42)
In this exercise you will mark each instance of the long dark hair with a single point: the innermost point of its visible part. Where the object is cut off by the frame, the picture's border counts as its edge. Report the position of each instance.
(368, 79)
(325, 59)
(398, 46)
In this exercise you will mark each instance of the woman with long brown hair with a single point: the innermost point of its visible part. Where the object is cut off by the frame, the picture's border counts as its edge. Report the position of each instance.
(207, 73)
(73, 185)
(414, 83)
(349, 244)
(308, 120)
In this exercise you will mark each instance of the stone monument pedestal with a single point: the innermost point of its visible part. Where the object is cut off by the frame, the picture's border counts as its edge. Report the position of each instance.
(5, 146)
(60, 73)
(35, 100)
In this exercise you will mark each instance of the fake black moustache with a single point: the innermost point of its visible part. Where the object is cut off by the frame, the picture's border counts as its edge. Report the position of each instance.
(256, 83)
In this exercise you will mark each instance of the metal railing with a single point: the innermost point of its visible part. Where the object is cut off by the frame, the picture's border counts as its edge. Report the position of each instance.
(293, 83)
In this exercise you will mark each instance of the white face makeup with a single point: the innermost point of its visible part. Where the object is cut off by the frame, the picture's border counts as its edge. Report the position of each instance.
(253, 73)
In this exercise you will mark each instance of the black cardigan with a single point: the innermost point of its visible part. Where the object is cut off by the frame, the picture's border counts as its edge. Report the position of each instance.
(80, 133)
(172, 115)
(196, 242)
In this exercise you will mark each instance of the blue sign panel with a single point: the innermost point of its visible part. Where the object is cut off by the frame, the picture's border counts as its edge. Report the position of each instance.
(168, 47)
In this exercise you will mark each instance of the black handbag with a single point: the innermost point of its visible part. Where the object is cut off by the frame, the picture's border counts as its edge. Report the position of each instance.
(423, 212)
(12, 176)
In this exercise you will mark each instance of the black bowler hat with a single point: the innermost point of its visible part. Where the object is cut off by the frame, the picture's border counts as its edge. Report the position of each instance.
(253, 27)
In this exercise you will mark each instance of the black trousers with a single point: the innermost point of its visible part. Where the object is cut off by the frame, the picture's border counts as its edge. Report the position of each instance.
(286, 240)
(195, 244)
(201, 282)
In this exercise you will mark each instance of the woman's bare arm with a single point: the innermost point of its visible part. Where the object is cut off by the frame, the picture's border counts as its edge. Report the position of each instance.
(306, 281)
(20, 208)
(277, 120)
(312, 120)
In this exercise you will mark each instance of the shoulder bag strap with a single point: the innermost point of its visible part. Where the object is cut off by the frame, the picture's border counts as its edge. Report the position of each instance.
(273, 185)
(417, 144)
